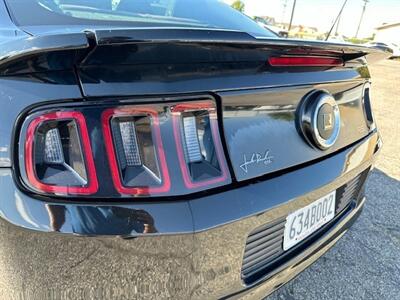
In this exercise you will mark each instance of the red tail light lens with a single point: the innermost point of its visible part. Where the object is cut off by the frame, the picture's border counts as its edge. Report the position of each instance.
(119, 152)
(58, 155)
(135, 151)
(304, 61)
(198, 143)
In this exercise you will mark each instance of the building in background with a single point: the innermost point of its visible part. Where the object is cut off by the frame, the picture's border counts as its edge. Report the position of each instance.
(271, 24)
(306, 32)
(388, 33)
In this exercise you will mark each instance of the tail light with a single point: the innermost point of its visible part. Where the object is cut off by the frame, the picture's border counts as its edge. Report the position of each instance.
(58, 155)
(135, 151)
(367, 106)
(304, 61)
(124, 151)
(198, 143)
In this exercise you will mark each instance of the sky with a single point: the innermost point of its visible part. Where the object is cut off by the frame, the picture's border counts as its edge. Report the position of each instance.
(321, 13)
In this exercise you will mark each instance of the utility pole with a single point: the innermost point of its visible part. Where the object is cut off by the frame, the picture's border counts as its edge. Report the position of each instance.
(362, 16)
(291, 17)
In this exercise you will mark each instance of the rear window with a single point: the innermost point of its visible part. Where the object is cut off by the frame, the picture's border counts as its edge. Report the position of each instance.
(134, 13)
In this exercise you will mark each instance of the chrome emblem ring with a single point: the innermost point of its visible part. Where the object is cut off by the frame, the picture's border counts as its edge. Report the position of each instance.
(319, 119)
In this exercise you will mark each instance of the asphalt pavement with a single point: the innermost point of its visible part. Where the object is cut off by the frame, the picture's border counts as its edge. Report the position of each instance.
(365, 263)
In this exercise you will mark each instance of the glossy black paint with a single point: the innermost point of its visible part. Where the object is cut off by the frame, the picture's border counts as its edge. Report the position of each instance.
(107, 82)
(100, 42)
(129, 36)
(250, 200)
(29, 54)
(229, 206)
(193, 239)
(153, 60)
(189, 247)
(99, 81)
(24, 91)
(266, 119)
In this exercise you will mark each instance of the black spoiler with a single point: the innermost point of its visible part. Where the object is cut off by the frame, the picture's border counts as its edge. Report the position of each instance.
(82, 47)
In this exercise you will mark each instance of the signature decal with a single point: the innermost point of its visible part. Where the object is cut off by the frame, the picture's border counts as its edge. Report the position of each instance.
(256, 158)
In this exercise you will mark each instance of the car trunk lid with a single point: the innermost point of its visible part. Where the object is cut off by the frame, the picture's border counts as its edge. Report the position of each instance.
(258, 101)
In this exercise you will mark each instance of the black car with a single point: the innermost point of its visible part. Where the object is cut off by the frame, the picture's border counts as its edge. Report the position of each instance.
(172, 149)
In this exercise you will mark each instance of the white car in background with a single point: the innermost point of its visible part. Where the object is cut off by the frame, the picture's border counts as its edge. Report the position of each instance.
(394, 48)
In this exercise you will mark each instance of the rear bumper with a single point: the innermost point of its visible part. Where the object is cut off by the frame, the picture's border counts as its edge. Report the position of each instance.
(292, 268)
(194, 249)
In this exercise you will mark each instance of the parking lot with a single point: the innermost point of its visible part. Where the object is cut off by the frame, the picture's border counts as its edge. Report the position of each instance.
(365, 263)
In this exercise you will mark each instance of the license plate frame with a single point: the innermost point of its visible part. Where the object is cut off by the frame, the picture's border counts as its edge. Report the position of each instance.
(305, 221)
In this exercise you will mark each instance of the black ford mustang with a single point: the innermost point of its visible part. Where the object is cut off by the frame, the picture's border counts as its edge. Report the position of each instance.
(164, 149)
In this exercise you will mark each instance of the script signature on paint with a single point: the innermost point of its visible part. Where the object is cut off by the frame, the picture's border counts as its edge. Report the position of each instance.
(256, 158)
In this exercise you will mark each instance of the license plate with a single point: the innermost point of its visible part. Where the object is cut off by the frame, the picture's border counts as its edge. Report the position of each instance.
(303, 222)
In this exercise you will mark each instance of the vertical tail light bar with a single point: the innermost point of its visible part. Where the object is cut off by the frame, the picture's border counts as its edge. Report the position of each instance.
(58, 155)
(199, 147)
(366, 97)
(135, 151)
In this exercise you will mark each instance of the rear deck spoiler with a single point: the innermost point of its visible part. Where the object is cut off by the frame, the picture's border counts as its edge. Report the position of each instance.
(15, 53)
(84, 45)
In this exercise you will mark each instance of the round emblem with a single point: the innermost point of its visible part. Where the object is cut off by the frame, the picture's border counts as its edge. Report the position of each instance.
(319, 119)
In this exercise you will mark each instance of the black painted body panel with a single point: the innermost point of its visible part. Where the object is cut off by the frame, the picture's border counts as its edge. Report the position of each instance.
(196, 248)
(17, 93)
(263, 123)
(195, 253)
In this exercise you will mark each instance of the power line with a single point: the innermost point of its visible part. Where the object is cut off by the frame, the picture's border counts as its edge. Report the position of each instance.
(362, 16)
(337, 20)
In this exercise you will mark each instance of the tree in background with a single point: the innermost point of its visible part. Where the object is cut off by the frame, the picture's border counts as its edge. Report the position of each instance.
(238, 5)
